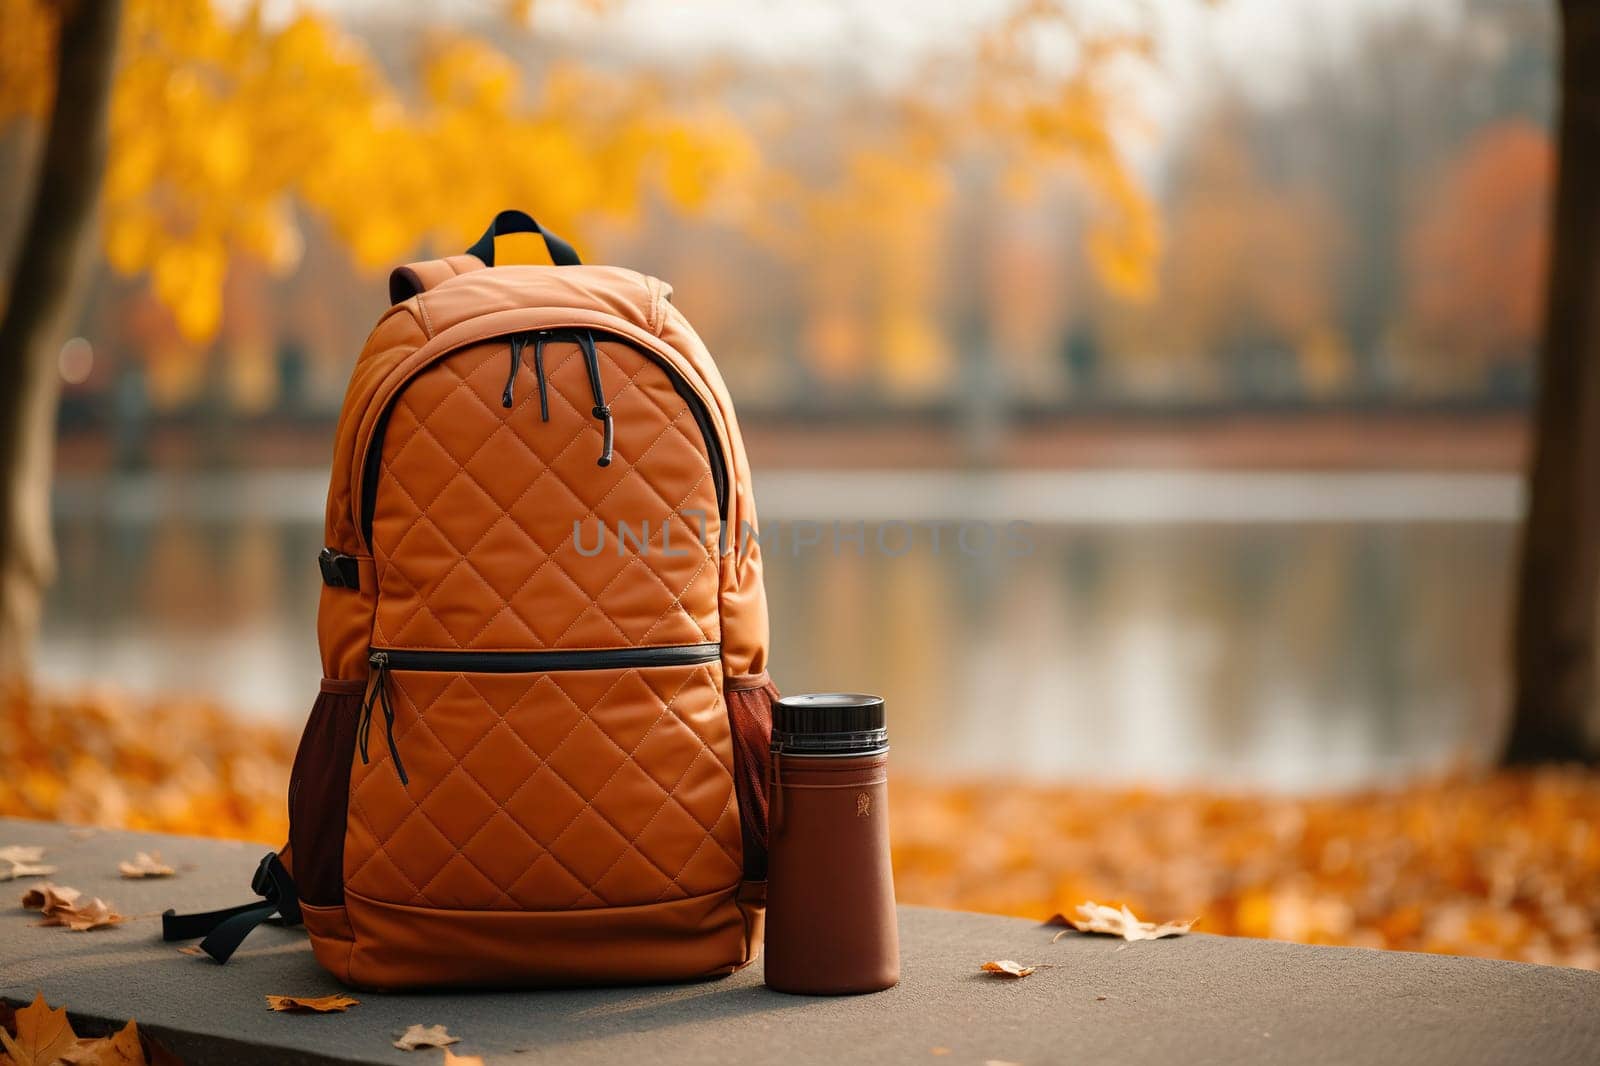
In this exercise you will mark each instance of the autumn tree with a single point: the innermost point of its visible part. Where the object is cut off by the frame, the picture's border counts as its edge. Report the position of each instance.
(1558, 578)
(1476, 256)
(44, 272)
(227, 129)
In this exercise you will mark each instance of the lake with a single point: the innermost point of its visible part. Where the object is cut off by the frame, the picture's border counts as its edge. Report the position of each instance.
(1288, 631)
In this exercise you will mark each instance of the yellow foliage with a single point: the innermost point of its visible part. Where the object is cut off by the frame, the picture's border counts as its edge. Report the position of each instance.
(226, 124)
(27, 44)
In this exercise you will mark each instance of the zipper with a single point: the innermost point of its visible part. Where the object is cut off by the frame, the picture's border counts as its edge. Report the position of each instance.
(383, 660)
(373, 460)
(537, 662)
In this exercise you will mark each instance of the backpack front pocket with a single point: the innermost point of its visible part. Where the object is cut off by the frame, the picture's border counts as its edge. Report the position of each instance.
(550, 780)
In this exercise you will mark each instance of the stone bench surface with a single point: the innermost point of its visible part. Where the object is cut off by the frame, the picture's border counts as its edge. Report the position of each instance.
(1192, 1000)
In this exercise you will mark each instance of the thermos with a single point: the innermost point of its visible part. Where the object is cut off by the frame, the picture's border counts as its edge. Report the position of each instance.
(830, 890)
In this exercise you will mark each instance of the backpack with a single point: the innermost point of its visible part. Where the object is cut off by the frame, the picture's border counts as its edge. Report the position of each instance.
(539, 755)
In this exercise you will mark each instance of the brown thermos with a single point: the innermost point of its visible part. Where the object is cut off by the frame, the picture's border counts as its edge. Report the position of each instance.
(830, 890)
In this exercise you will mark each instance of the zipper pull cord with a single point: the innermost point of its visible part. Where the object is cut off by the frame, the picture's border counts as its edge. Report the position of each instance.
(517, 341)
(538, 372)
(388, 732)
(380, 663)
(592, 359)
(379, 694)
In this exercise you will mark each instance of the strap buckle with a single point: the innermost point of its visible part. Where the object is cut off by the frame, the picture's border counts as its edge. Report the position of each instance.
(339, 571)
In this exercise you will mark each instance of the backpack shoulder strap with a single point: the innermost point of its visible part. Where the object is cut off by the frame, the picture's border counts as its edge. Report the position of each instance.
(413, 278)
(225, 930)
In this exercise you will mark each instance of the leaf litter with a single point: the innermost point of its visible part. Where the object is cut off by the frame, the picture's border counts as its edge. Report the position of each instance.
(420, 1036)
(334, 1004)
(60, 905)
(22, 860)
(39, 1035)
(1116, 921)
(145, 864)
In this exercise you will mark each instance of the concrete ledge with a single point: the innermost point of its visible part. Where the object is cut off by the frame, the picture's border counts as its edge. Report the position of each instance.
(1197, 999)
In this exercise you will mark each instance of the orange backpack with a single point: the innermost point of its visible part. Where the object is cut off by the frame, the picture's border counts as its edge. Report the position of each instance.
(539, 755)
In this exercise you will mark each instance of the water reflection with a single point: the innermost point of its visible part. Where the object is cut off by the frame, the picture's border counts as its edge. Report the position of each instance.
(1290, 655)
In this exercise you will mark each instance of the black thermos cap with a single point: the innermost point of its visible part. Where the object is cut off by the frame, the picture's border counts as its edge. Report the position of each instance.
(829, 723)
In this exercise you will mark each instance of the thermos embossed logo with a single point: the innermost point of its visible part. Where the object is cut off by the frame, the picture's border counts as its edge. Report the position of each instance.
(863, 805)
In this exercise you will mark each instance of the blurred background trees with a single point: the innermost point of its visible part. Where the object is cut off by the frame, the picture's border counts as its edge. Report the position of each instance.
(44, 274)
(1004, 227)
(1559, 577)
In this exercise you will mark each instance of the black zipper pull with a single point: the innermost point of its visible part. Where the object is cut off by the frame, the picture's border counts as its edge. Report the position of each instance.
(592, 360)
(538, 372)
(517, 341)
(379, 694)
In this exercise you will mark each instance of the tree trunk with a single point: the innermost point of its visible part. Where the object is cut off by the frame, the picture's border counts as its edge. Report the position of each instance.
(1558, 590)
(43, 278)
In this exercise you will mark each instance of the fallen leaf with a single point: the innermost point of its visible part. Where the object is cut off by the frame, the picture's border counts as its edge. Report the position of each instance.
(195, 950)
(43, 1035)
(50, 898)
(461, 1060)
(1112, 921)
(22, 860)
(145, 864)
(938, 1051)
(432, 1036)
(1006, 968)
(82, 917)
(335, 1004)
(122, 1048)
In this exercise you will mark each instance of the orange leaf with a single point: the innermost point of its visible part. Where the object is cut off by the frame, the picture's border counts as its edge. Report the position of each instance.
(50, 898)
(120, 1049)
(43, 1035)
(335, 1004)
(80, 918)
(461, 1060)
(1006, 968)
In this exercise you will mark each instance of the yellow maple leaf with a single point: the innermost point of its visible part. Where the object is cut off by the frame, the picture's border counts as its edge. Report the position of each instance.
(122, 1048)
(43, 1035)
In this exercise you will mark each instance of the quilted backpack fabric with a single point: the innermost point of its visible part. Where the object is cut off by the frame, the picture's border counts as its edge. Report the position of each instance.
(539, 755)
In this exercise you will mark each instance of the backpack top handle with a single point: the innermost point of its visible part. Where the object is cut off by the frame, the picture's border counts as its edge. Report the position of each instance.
(513, 221)
(413, 278)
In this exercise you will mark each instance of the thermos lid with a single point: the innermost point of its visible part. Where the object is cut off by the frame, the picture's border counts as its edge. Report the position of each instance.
(830, 723)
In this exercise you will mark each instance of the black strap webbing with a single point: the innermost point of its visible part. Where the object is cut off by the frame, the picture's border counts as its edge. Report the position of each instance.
(561, 253)
(226, 929)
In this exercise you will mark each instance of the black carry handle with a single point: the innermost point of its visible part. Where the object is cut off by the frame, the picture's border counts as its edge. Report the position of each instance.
(561, 253)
